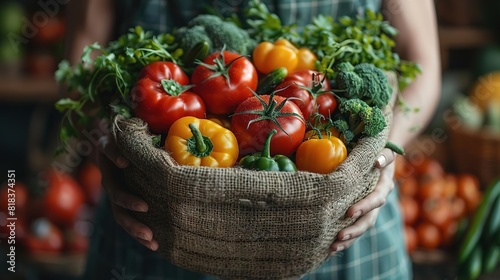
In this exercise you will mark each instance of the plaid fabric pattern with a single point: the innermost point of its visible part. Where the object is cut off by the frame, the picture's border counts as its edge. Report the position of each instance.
(378, 254)
(162, 15)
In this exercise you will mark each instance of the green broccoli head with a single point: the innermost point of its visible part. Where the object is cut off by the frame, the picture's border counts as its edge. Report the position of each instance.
(357, 119)
(229, 35)
(189, 37)
(217, 33)
(364, 81)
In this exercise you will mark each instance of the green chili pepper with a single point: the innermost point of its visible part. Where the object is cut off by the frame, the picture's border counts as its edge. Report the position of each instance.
(263, 160)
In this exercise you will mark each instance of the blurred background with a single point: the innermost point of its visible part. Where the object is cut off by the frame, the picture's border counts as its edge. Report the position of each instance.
(442, 177)
(54, 212)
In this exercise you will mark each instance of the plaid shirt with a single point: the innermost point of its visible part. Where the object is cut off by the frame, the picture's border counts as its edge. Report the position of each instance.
(377, 254)
(162, 15)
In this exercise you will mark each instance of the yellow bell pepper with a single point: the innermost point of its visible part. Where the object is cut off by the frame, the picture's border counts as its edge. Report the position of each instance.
(201, 142)
(268, 56)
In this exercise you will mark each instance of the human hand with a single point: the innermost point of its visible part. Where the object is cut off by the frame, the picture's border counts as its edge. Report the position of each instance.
(111, 162)
(367, 209)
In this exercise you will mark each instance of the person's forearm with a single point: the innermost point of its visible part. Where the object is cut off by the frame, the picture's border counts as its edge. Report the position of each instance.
(417, 41)
(90, 21)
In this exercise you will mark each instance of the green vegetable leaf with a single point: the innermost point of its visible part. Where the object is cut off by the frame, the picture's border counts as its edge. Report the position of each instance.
(87, 51)
(63, 71)
(66, 104)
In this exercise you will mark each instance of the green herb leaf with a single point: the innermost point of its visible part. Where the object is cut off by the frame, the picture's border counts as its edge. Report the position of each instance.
(87, 51)
(66, 104)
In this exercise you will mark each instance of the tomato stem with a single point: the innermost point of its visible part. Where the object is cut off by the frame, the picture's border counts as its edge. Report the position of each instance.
(173, 88)
(270, 110)
(220, 68)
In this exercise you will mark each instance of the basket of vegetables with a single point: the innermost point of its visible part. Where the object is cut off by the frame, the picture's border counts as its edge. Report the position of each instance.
(248, 162)
(476, 123)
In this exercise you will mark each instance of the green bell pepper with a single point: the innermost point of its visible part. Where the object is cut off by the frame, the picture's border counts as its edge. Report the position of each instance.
(263, 160)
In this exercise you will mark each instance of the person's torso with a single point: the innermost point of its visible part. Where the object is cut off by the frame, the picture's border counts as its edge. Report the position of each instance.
(163, 15)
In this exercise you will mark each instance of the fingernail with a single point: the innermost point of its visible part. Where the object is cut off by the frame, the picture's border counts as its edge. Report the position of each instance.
(122, 162)
(142, 236)
(381, 161)
(153, 248)
(139, 207)
(357, 215)
(339, 248)
(346, 237)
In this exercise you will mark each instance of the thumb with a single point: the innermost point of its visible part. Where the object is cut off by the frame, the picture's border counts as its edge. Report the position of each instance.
(386, 157)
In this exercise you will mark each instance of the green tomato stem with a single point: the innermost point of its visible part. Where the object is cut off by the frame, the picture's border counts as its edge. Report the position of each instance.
(172, 87)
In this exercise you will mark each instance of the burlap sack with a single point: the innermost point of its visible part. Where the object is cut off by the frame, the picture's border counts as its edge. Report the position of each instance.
(240, 224)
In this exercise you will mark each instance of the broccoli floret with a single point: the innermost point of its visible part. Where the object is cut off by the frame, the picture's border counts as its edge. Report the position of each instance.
(189, 37)
(205, 20)
(345, 134)
(356, 119)
(217, 33)
(364, 81)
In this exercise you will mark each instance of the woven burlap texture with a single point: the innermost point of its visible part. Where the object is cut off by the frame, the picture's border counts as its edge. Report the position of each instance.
(241, 224)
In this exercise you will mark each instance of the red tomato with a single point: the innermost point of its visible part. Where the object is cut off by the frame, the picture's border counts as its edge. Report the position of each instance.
(90, 178)
(436, 211)
(410, 209)
(468, 188)
(160, 96)
(326, 104)
(430, 188)
(224, 81)
(408, 187)
(450, 186)
(308, 91)
(258, 115)
(62, 199)
(50, 32)
(429, 236)
(458, 208)
(428, 169)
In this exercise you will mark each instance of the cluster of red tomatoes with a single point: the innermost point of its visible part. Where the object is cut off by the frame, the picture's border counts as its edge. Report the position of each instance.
(434, 202)
(223, 88)
(53, 214)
